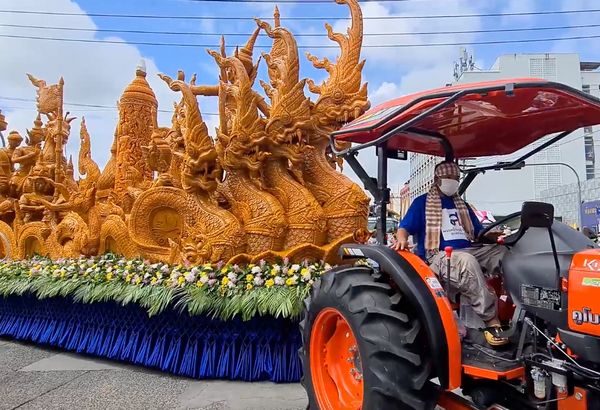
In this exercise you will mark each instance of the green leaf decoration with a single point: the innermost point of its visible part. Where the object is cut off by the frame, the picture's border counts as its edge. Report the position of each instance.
(219, 291)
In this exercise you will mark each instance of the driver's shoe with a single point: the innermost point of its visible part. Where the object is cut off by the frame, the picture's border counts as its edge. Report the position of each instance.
(492, 336)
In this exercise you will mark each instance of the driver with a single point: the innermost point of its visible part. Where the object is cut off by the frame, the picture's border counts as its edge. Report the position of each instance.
(441, 218)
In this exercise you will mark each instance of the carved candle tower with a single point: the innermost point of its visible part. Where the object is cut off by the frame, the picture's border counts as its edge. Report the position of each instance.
(3, 123)
(137, 119)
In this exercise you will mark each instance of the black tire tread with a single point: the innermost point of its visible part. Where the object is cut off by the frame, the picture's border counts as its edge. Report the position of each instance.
(396, 365)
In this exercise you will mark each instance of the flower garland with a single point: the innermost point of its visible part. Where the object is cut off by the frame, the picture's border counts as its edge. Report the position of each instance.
(222, 291)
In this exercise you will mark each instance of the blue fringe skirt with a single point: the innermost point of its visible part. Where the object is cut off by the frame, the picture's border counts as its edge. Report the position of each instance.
(263, 348)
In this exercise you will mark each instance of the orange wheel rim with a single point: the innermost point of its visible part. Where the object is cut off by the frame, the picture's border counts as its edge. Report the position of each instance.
(335, 364)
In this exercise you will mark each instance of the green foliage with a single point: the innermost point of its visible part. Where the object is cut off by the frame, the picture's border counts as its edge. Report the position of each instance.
(218, 291)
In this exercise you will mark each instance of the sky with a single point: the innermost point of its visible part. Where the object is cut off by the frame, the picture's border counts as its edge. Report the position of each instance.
(97, 73)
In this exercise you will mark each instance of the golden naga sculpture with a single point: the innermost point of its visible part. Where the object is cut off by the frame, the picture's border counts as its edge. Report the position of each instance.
(210, 232)
(265, 186)
(241, 146)
(287, 130)
(342, 98)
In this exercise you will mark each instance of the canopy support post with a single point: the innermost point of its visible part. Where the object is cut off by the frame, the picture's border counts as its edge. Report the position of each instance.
(384, 198)
(377, 187)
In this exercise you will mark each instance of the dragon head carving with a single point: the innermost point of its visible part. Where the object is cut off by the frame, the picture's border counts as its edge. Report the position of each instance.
(242, 146)
(290, 116)
(342, 97)
(200, 170)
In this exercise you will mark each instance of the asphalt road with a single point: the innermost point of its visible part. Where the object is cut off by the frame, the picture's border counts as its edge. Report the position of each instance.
(33, 377)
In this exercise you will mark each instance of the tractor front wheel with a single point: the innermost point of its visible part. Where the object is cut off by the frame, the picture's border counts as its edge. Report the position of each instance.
(363, 346)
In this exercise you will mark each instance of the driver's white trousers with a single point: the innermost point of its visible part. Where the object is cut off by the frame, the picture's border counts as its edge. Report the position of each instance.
(468, 268)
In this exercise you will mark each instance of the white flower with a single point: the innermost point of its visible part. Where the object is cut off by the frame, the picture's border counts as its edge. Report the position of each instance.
(277, 268)
(147, 275)
(255, 270)
(232, 276)
(295, 268)
(279, 281)
(203, 279)
(190, 277)
(231, 284)
(258, 281)
(195, 270)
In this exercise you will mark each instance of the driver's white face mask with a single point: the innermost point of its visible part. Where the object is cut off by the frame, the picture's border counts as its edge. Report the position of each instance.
(448, 187)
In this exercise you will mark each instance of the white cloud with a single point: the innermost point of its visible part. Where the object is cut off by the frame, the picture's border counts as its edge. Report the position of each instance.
(386, 91)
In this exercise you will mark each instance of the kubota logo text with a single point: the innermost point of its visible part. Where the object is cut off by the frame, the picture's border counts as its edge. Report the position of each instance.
(591, 264)
(585, 316)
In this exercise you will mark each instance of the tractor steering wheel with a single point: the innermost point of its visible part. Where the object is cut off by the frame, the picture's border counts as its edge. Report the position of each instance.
(482, 237)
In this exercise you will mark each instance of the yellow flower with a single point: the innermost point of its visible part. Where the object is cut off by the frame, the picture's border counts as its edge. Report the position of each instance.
(290, 282)
(153, 281)
(180, 280)
(138, 280)
(207, 266)
(109, 276)
(199, 284)
(304, 271)
(251, 266)
(249, 277)
(249, 286)
(128, 278)
(225, 281)
(269, 283)
(224, 270)
(273, 272)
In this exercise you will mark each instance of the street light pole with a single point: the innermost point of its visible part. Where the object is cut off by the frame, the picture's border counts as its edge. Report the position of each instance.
(578, 184)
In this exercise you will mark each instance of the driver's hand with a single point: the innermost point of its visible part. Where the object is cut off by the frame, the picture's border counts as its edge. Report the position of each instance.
(401, 245)
(494, 235)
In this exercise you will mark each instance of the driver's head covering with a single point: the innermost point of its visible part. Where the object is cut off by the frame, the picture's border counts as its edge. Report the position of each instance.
(447, 169)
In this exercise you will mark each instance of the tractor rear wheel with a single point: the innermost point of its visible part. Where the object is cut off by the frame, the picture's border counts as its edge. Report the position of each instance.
(363, 346)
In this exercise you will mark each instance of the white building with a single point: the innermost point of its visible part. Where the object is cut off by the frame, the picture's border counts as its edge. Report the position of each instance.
(503, 192)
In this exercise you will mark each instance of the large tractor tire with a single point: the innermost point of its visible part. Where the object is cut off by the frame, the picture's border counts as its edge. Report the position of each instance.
(363, 346)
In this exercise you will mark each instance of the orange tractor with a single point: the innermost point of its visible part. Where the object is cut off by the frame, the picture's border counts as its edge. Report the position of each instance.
(385, 336)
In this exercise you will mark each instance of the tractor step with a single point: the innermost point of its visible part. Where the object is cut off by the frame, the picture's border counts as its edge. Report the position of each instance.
(484, 362)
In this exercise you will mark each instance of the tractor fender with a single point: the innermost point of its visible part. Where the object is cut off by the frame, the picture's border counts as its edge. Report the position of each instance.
(420, 285)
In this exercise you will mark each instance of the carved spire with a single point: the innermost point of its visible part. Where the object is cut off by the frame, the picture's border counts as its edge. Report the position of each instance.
(245, 54)
(277, 17)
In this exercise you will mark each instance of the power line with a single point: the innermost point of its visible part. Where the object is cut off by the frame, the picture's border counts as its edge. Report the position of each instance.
(196, 33)
(318, 18)
(111, 107)
(316, 46)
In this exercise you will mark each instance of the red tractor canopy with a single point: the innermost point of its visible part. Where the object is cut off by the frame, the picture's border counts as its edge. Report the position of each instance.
(468, 120)
(474, 120)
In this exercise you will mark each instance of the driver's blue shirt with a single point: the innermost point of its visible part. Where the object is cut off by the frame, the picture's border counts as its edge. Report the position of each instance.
(414, 223)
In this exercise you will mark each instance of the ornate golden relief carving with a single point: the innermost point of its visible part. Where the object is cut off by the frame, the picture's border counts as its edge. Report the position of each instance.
(265, 187)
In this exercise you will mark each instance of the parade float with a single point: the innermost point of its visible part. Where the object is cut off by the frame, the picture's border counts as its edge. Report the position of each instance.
(189, 252)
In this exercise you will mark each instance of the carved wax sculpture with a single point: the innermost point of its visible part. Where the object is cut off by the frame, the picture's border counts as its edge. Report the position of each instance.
(242, 153)
(287, 129)
(342, 98)
(264, 187)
